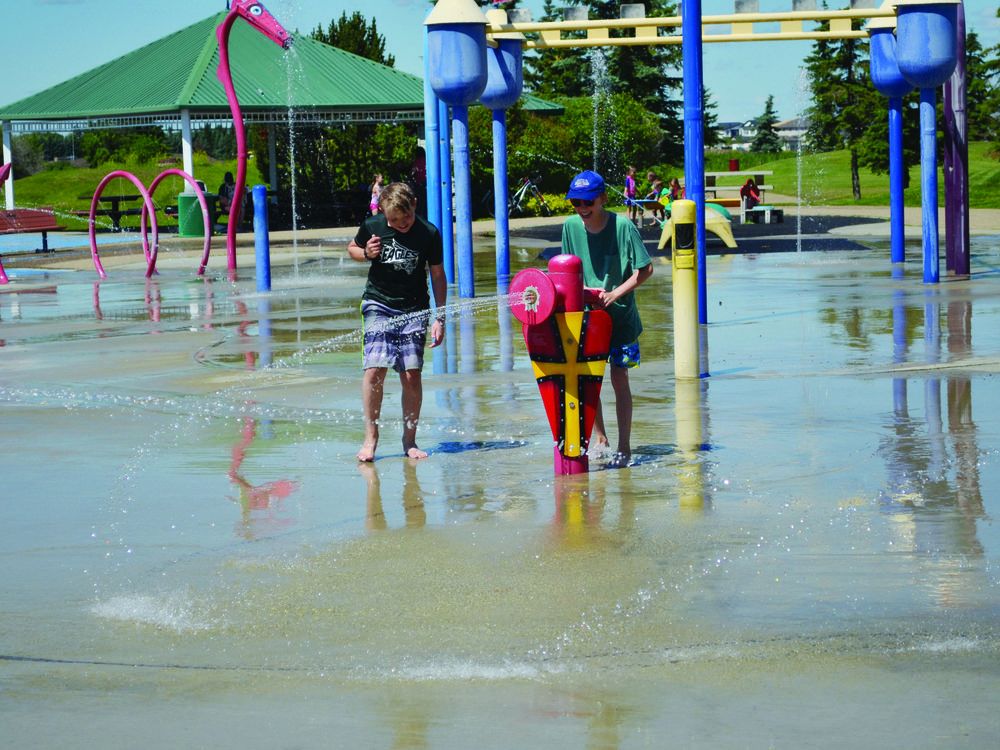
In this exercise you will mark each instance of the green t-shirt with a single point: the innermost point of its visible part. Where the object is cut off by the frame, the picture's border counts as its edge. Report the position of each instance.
(398, 278)
(609, 257)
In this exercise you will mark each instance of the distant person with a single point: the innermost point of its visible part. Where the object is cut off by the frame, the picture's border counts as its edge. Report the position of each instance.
(750, 194)
(616, 261)
(376, 191)
(418, 180)
(676, 192)
(226, 192)
(631, 194)
(655, 188)
(401, 249)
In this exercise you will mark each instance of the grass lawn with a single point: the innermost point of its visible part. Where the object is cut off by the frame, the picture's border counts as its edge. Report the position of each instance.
(826, 180)
(61, 186)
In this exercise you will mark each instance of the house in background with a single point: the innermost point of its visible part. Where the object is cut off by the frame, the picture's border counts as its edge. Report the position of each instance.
(739, 135)
(791, 132)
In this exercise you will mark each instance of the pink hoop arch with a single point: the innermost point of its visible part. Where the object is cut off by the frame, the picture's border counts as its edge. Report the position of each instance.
(147, 206)
(4, 171)
(206, 219)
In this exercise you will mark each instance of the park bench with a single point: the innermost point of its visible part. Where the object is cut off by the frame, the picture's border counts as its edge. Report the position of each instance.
(29, 221)
(770, 214)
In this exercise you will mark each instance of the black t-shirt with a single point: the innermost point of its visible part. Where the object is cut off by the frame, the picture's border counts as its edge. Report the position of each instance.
(398, 277)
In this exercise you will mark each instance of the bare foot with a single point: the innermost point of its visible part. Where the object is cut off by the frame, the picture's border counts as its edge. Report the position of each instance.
(415, 453)
(367, 452)
(599, 447)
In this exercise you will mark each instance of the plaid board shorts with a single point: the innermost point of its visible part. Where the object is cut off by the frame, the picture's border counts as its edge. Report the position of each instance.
(392, 338)
(626, 355)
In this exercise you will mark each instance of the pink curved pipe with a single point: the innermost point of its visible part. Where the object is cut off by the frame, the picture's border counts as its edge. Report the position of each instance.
(257, 16)
(4, 171)
(205, 217)
(147, 206)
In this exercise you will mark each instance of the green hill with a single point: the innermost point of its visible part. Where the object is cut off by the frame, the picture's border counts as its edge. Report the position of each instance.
(826, 180)
(67, 188)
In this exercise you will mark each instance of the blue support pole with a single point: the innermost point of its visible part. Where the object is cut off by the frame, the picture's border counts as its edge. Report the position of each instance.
(694, 148)
(896, 172)
(463, 198)
(432, 146)
(444, 192)
(928, 183)
(262, 242)
(264, 332)
(500, 188)
(958, 198)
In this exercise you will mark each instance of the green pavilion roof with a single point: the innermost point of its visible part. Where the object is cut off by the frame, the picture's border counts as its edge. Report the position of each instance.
(151, 85)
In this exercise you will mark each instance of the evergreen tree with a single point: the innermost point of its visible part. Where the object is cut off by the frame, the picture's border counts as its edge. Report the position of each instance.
(991, 103)
(710, 119)
(844, 101)
(873, 149)
(560, 71)
(982, 90)
(354, 34)
(766, 140)
(646, 73)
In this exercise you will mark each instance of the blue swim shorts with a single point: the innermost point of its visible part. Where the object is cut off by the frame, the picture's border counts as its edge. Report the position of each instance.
(626, 355)
(393, 338)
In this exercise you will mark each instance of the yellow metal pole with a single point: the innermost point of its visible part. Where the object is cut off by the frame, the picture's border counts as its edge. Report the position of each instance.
(685, 283)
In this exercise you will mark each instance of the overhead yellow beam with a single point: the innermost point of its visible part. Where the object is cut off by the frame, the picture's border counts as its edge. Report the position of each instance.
(647, 31)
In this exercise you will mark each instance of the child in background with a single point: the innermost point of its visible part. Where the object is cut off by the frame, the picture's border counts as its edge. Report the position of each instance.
(376, 192)
(631, 195)
(676, 191)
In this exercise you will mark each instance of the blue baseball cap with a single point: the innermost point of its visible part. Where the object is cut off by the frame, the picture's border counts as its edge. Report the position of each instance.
(586, 185)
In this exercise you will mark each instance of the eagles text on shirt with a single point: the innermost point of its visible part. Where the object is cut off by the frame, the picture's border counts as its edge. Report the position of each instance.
(399, 255)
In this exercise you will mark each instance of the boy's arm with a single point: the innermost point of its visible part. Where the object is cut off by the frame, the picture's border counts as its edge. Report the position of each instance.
(439, 285)
(367, 252)
(638, 277)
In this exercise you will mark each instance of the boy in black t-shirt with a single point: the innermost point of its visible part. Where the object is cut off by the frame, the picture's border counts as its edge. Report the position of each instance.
(401, 248)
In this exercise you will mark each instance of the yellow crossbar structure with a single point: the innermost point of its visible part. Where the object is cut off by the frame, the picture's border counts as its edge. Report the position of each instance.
(667, 30)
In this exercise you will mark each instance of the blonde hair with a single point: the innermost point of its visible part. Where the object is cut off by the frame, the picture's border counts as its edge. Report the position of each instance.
(397, 197)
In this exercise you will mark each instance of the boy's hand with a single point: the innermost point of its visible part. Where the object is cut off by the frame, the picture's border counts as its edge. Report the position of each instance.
(373, 248)
(437, 333)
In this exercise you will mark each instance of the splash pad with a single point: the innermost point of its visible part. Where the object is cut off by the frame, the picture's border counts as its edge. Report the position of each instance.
(187, 533)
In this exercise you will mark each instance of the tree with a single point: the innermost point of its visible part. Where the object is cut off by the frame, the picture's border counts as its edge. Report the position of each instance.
(647, 74)
(982, 90)
(844, 101)
(551, 73)
(766, 140)
(354, 34)
(873, 148)
(339, 158)
(709, 119)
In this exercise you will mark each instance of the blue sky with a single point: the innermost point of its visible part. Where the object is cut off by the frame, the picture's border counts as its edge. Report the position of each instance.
(53, 40)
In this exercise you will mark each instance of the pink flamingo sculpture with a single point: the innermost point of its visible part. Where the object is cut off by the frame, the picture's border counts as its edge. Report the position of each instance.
(4, 171)
(257, 16)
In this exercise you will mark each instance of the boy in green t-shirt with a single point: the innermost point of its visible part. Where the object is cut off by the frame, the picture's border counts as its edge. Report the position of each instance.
(616, 261)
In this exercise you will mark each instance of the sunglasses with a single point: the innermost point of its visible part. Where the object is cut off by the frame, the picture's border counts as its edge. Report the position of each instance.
(577, 202)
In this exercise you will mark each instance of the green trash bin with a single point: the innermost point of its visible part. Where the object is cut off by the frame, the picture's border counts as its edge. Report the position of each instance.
(189, 220)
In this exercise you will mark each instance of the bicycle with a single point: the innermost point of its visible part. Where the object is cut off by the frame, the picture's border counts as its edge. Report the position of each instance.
(517, 203)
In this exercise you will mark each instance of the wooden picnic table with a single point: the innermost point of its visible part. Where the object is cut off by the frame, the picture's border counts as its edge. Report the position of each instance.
(115, 212)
